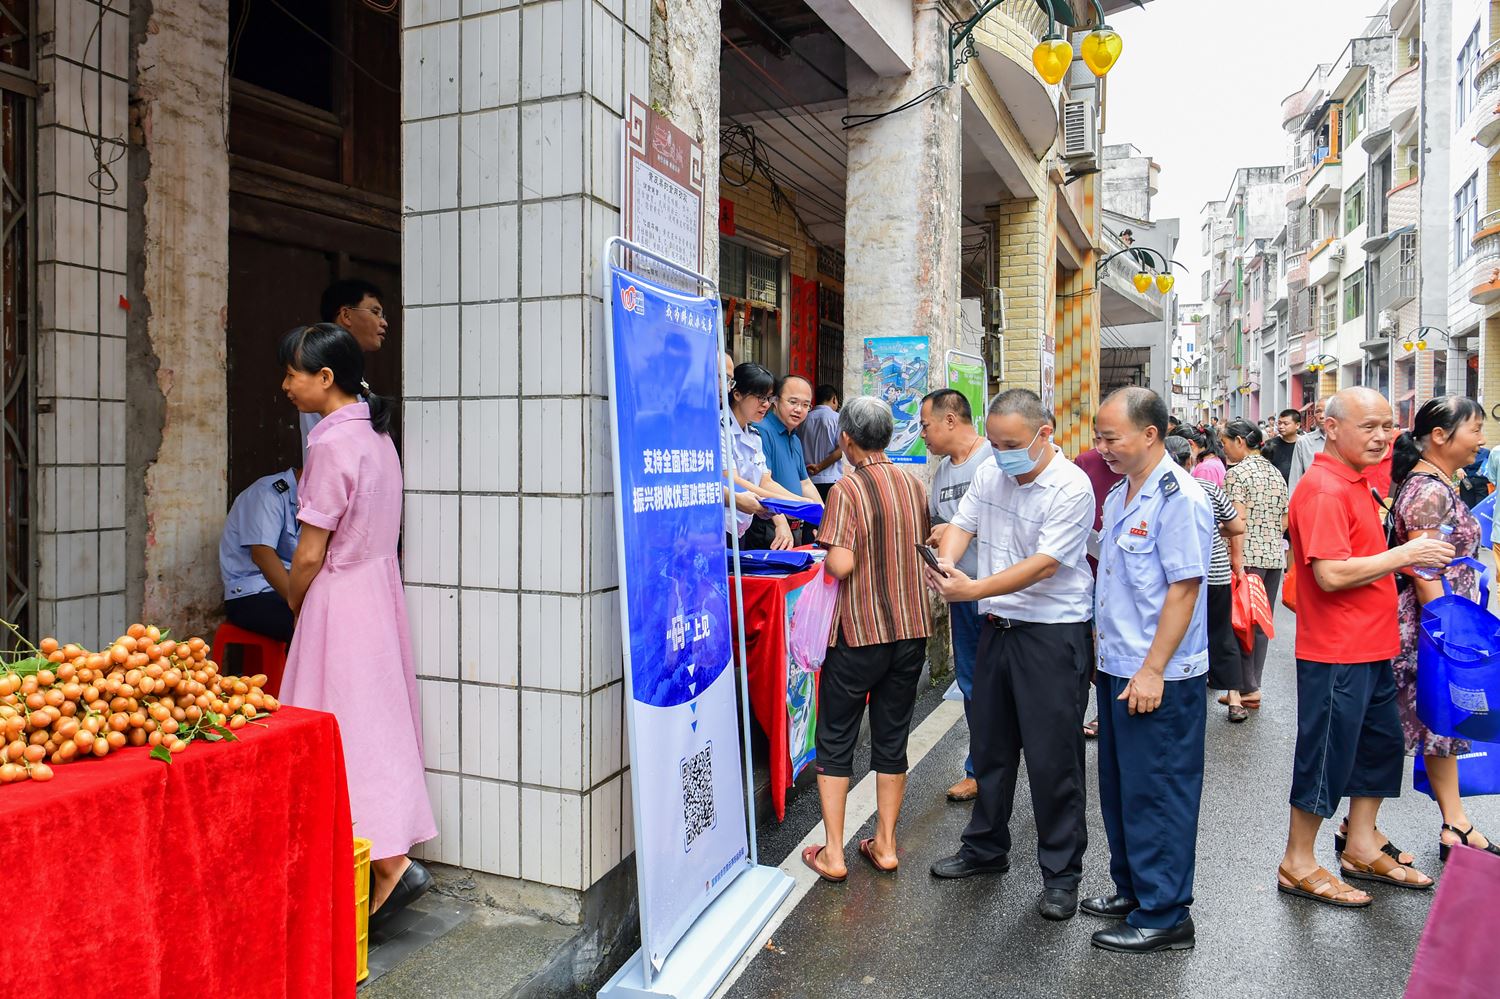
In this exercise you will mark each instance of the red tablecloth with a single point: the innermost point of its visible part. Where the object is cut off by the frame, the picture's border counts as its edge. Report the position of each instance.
(228, 873)
(765, 648)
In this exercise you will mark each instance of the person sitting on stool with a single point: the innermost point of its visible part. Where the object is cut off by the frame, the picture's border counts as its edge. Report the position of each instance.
(255, 555)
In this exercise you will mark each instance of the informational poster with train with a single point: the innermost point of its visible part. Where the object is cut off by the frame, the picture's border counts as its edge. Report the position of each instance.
(896, 370)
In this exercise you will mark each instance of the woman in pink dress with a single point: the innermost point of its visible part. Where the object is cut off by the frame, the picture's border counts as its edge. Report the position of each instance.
(350, 653)
(1208, 454)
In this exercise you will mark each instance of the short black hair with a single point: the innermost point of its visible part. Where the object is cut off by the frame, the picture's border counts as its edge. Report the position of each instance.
(824, 394)
(1244, 430)
(345, 293)
(1173, 422)
(949, 400)
(781, 383)
(1292, 414)
(753, 379)
(1144, 407)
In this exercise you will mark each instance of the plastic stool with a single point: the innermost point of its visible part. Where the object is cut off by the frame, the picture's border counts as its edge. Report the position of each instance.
(262, 654)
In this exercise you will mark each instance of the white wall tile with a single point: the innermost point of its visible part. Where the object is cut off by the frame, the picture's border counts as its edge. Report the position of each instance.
(433, 615)
(551, 838)
(488, 152)
(598, 447)
(553, 544)
(552, 460)
(552, 33)
(490, 732)
(554, 730)
(627, 824)
(431, 534)
(490, 333)
(489, 641)
(418, 12)
(606, 660)
(552, 648)
(492, 827)
(77, 564)
(552, 149)
(490, 534)
(552, 241)
(552, 345)
(488, 458)
(445, 792)
(603, 546)
(111, 561)
(440, 724)
(606, 69)
(605, 821)
(482, 68)
(111, 424)
(606, 733)
(479, 258)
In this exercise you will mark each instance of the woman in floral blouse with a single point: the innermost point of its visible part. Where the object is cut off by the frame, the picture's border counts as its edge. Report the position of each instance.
(1445, 436)
(1260, 493)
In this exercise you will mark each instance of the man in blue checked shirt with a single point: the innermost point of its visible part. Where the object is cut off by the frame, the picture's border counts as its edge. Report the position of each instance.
(1150, 613)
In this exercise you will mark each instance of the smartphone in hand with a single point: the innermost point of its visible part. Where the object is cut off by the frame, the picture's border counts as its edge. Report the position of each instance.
(930, 557)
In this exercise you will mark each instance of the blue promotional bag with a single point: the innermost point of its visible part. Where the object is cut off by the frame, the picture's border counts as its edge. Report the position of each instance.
(1458, 664)
(804, 510)
(772, 563)
(1484, 512)
(1478, 772)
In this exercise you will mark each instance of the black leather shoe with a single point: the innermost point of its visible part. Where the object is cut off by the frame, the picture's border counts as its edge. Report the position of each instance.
(959, 866)
(1057, 904)
(415, 882)
(1135, 940)
(1110, 906)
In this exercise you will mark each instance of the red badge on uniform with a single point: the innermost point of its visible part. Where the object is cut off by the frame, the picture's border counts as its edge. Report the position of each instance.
(1139, 532)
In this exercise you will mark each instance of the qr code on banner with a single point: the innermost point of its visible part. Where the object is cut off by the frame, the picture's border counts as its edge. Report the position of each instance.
(697, 795)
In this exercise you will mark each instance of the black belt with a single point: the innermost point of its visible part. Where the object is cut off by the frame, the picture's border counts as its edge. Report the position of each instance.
(1006, 623)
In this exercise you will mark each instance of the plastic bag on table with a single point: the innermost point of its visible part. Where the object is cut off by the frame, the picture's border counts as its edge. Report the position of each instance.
(812, 621)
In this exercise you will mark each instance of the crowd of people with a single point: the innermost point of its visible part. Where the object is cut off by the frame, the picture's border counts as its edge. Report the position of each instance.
(1114, 571)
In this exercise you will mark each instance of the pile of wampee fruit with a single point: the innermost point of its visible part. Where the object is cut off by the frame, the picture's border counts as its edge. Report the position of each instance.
(62, 703)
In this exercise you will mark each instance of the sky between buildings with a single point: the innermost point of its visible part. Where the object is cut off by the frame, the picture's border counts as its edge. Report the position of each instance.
(1199, 88)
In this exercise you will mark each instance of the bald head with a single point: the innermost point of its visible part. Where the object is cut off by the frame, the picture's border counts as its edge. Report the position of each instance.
(1359, 425)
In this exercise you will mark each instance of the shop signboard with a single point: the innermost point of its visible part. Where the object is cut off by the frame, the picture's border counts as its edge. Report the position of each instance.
(895, 369)
(1048, 387)
(662, 195)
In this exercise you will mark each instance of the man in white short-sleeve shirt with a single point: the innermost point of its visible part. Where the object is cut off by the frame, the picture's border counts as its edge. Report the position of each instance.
(1032, 511)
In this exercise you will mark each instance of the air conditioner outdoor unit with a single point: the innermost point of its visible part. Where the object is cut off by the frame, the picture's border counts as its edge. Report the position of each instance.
(1080, 128)
(1336, 251)
(994, 309)
(1386, 322)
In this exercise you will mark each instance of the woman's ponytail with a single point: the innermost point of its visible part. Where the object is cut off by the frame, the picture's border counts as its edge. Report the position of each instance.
(380, 412)
(1405, 454)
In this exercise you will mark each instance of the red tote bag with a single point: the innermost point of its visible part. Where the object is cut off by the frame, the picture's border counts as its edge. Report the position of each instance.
(1289, 588)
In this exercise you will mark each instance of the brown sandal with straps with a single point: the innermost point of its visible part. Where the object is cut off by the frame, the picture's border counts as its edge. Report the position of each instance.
(1381, 869)
(1320, 886)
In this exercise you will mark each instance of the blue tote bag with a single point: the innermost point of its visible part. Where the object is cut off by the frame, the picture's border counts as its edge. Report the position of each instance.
(1478, 772)
(1458, 664)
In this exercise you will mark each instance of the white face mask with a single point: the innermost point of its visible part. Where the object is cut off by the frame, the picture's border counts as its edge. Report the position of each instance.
(1018, 462)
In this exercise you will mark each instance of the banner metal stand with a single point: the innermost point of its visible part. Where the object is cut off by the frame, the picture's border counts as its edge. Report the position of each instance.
(728, 926)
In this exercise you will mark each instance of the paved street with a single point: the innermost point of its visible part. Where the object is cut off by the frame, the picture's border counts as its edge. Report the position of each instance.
(911, 935)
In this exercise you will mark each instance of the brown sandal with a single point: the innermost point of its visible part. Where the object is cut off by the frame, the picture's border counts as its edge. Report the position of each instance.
(867, 850)
(1320, 886)
(810, 858)
(1380, 869)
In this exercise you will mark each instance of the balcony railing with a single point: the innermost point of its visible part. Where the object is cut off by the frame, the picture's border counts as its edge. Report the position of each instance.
(1403, 94)
(1487, 81)
(1486, 285)
(1328, 316)
(1398, 272)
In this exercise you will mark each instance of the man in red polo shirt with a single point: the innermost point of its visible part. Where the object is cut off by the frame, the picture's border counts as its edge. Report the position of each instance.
(1349, 741)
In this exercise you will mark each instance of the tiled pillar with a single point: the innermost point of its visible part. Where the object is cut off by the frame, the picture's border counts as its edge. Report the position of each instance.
(902, 226)
(81, 226)
(1025, 261)
(1077, 327)
(511, 146)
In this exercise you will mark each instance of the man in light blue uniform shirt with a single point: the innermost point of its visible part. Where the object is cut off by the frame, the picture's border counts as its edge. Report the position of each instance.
(255, 555)
(1155, 547)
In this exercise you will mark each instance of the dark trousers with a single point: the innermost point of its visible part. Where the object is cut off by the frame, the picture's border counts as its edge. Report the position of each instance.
(1031, 686)
(758, 536)
(886, 675)
(1150, 786)
(263, 613)
(1223, 646)
(1349, 740)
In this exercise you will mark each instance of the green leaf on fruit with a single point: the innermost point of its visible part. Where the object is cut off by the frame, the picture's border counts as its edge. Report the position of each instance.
(160, 753)
(224, 732)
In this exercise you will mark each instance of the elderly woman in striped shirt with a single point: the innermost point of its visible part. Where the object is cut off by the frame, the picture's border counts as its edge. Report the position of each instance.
(875, 519)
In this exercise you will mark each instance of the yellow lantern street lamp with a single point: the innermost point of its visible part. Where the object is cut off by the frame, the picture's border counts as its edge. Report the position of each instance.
(1101, 48)
(1164, 282)
(1416, 341)
(1052, 57)
(1152, 268)
(1142, 282)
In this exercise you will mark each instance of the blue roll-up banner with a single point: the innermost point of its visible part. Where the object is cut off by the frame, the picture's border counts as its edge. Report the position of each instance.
(688, 772)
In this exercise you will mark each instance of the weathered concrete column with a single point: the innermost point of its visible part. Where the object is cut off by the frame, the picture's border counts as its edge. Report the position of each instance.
(685, 88)
(903, 223)
(177, 419)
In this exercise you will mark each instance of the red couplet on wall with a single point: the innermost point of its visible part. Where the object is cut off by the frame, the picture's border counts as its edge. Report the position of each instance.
(804, 359)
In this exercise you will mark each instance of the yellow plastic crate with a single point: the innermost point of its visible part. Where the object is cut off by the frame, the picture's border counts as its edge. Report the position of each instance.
(361, 909)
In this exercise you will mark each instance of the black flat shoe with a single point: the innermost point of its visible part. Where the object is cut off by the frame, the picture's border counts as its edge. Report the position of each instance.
(1057, 904)
(1110, 906)
(1463, 837)
(959, 866)
(1129, 939)
(415, 882)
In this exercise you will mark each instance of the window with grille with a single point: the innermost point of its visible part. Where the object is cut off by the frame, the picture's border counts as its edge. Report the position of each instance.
(1467, 94)
(1354, 295)
(1354, 116)
(1465, 219)
(1354, 206)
